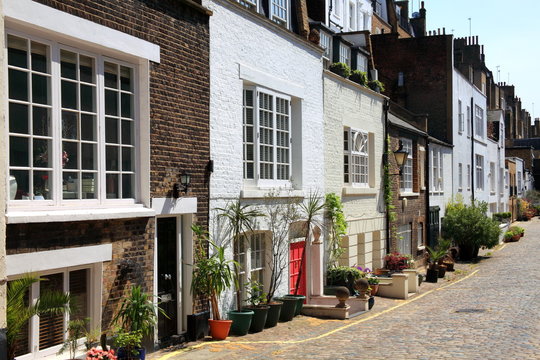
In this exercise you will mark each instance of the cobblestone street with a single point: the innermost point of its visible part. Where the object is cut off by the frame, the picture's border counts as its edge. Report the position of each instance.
(488, 310)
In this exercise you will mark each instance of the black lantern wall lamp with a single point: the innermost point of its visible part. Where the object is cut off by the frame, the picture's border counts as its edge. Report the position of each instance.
(185, 183)
(400, 155)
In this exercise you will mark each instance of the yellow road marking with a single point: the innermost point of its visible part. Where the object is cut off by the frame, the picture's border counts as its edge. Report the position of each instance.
(341, 328)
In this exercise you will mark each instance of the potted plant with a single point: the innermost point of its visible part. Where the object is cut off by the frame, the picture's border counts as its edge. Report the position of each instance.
(342, 276)
(137, 316)
(211, 276)
(76, 330)
(376, 86)
(433, 268)
(396, 262)
(129, 345)
(359, 77)
(373, 284)
(256, 298)
(341, 69)
(18, 312)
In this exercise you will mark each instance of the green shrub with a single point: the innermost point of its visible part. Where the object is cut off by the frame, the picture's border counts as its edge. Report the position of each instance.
(501, 216)
(343, 275)
(359, 77)
(374, 84)
(340, 69)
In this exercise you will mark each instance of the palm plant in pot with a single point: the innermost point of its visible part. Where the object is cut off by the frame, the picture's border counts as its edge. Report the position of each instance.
(211, 276)
(433, 268)
(137, 318)
(240, 219)
(256, 298)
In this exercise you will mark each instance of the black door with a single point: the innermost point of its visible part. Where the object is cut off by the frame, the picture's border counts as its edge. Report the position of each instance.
(167, 239)
(433, 225)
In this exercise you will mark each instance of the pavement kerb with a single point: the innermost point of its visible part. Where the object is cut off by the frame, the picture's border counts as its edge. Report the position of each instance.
(341, 328)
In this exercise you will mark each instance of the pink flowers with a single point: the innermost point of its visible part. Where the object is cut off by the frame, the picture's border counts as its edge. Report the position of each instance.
(397, 262)
(94, 353)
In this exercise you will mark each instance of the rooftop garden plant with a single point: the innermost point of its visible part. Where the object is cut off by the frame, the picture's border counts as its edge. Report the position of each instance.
(359, 77)
(341, 69)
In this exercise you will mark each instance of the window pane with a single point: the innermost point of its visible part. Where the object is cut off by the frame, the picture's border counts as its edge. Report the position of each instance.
(88, 156)
(41, 121)
(69, 95)
(70, 185)
(126, 105)
(86, 67)
(71, 149)
(68, 64)
(127, 186)
(111, 158)
(88, 127)
(89, 187)
(111, 130)
(112, 186)
(39, 57)
(18, 85)
(51, 327)
(18, 151)
(111, 75)
(22, 184)
(40, 89)
(111, 102)
(42, 185)
(69, 125)
(127, 159)
(42, 149)
(18, 118)
(78, 288)
(88, 98)
(125, 78)
(127, 132)
(17, 51)
(22, 345)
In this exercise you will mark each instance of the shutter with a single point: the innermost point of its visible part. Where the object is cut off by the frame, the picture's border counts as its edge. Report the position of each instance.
(78, 288)
(51, 327)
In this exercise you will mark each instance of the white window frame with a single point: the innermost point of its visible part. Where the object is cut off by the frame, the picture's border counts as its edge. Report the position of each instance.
(519, 182)
(479, 121)
(283, 6)
(248, 268)
(257, 181)
(326, 43)
(479, 165)
(461, 118)
(492, 177)
(404, 235)
(344, 54)
(468, 121)
(420, 235)
(353, 158)
(469, 177)
(408, 167)
(352, 16)
(361, 62)
(460, 177)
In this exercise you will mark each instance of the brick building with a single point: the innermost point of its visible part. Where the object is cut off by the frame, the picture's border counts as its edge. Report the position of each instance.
(116, 110)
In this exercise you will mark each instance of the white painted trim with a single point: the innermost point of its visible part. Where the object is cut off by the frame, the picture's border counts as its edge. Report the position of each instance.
(170, 206)
(278, 193)
(57, 259)
(46, 18)
(28, 216)
(261, 78)
(358, 191)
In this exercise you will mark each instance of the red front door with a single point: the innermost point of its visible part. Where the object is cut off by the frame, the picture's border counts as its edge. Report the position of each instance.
(295, 259)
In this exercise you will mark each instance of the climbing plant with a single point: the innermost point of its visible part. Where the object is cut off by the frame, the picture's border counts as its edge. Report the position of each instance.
(388, 193)
(338, 227)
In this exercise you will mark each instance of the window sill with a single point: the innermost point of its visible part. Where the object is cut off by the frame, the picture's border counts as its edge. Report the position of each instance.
(350, 190)
(278, 193)
(409, 194)
(21, 216)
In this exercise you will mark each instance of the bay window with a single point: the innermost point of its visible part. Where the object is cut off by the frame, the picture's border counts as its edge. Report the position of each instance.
(71, 122)
(356, 157)
(266, 137)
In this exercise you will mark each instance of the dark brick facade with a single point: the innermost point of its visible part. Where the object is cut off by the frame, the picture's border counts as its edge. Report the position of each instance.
(179, 120)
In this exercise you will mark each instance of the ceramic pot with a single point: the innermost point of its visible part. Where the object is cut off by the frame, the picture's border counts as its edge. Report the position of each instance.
(273, 314)
(300, 299)
(287, 309)
(258, 321)
(219, 329)
(241, 321)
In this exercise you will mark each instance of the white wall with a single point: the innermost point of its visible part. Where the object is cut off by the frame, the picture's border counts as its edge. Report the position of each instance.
(441, 198)
(246, 50)
(349, 105)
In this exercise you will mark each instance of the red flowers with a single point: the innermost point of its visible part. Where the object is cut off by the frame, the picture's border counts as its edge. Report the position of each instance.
(94, 353)
(397, 262)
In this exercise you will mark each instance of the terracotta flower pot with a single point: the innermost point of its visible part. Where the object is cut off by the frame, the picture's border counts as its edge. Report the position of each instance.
(219, 329)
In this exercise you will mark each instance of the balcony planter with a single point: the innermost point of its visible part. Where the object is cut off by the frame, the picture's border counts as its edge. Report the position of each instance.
(287, 309)
(241, 321)
(273, 314)
(260, 313)
(299, 303)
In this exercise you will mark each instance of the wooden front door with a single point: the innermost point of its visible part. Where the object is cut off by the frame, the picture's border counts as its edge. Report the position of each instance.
(295, 259)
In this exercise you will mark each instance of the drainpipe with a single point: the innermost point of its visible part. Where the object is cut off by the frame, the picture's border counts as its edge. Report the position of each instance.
(473, 167)
(386, 107)
(427, 178)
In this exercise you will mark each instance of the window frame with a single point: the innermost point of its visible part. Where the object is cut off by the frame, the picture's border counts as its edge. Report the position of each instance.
(256, 181)
(350, 154)
(460, 177)
(479, 121)
(100, 56)
(479, 166)
(409, 164)
(468, 121)
(247, 269)
(461, 117)
(402, 245)
(344, 54)
(284, 6)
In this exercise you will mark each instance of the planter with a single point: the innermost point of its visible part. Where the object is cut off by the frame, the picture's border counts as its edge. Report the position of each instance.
(432, 275)
(219, 329)
(442, 271)
(273, 314)
(299, 303)
(287, 309)
(123, 355)
(197, 325)
(384, 272)
(371, 302)
(259, 317)
(516, 237)
(374, 289)
(449, 265)
(468, 252)
(241, 321)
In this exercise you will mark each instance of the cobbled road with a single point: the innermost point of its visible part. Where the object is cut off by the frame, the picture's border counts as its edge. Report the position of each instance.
(492, 313)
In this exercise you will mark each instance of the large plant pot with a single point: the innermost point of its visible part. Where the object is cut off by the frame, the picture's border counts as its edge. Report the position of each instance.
(197, 325)
(432, 275)
(287, 309)
(299, 303)
(442, 271)
(272, 317)
(259, 318)
(219, 329)
(468, 252)
(123, 354)
(241, 321)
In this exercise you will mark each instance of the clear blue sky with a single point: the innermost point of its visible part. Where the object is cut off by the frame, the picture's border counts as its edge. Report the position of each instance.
(509, 31)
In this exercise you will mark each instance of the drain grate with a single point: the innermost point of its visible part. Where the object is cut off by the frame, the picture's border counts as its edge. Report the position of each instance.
(471, 310)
